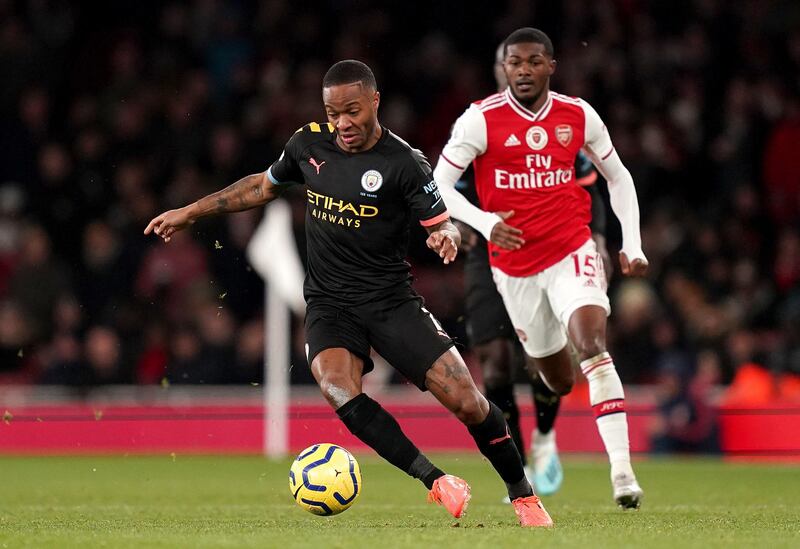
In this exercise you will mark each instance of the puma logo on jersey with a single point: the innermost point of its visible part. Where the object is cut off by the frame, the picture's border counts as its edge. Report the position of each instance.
(512, 141)
(314, 163)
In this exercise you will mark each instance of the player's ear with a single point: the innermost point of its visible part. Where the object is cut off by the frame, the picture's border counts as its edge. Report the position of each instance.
(376, 99)
(553, 63)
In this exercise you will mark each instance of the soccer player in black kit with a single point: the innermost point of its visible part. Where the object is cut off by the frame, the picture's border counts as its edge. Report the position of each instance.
(364, 185)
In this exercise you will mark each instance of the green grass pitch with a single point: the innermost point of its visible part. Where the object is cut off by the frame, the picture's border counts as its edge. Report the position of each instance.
(179, 501)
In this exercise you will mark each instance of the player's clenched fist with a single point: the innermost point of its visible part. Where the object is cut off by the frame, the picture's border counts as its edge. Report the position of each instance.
(637, 267)
(506, 236)
(443, 243)
(166, 224)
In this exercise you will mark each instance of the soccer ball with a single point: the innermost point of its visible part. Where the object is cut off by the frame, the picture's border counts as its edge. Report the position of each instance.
(325, 479)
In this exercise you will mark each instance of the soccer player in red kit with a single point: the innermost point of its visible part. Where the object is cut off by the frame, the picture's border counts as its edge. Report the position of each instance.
(523, 143)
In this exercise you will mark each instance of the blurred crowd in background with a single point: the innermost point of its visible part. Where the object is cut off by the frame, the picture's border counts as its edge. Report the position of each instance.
(112, 112)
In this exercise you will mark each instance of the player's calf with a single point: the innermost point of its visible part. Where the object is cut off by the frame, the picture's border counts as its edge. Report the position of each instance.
(503, 397)
(608, 402)
(556, 371)
(494, 441)
(471, 407)
(376, 427)
(495, 357)
(451, 383)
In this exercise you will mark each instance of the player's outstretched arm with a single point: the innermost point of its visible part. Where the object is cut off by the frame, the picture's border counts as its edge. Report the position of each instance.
(624, 203)
(621, 192)
(249, 192)
(467, 142)
(444, 239)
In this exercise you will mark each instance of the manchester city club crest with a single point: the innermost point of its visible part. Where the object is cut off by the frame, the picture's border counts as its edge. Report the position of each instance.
(536, 138)
(372, 180)
(564, 134)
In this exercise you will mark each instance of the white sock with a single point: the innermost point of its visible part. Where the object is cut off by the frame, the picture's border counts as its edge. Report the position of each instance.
(543, 443)
(543, 446)
(608, 402)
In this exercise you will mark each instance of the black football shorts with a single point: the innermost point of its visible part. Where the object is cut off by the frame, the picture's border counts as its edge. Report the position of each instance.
(400, 330)
(487, 318)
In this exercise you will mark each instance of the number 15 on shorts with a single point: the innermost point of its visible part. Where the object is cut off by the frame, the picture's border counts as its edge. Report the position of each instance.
(589, 266)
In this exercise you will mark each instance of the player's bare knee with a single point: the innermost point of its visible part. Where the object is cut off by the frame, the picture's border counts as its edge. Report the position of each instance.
(338, 389)
(589, 346)
(495, 377)
(561, 384)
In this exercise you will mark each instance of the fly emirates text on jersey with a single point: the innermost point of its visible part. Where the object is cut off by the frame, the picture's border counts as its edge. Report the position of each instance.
(538, 175)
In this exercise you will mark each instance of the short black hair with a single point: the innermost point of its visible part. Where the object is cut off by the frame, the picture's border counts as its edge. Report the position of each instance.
(529, 34)
(349, 71)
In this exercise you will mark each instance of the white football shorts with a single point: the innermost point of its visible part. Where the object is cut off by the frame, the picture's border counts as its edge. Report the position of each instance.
(540, 305)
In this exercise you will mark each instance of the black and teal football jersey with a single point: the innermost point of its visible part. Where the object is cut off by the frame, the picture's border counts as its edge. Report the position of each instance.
(358, 212)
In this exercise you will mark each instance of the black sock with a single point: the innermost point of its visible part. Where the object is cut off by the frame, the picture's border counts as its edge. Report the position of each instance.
(546, 403)
(494, 441)
(503, 397)
(374, 426)
(423, 469)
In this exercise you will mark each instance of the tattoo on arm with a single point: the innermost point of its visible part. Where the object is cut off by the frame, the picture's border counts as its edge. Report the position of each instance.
(445, 389)
(248, 192)
(447, 374)
(453, 369)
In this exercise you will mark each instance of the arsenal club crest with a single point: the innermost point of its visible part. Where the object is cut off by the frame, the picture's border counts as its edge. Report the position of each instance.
(536, 138)
(564, 134)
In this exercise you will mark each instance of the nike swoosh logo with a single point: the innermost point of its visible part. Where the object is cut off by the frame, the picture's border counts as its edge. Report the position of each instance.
(435, 203)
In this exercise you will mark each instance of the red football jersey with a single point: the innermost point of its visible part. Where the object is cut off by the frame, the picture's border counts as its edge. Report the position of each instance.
(525, 161)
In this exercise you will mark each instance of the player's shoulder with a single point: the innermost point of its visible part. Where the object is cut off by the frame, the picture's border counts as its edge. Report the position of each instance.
(473, 120)
(405, 153)
(491, 102)
(311, 133)
(573, 103)
(568, 101)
